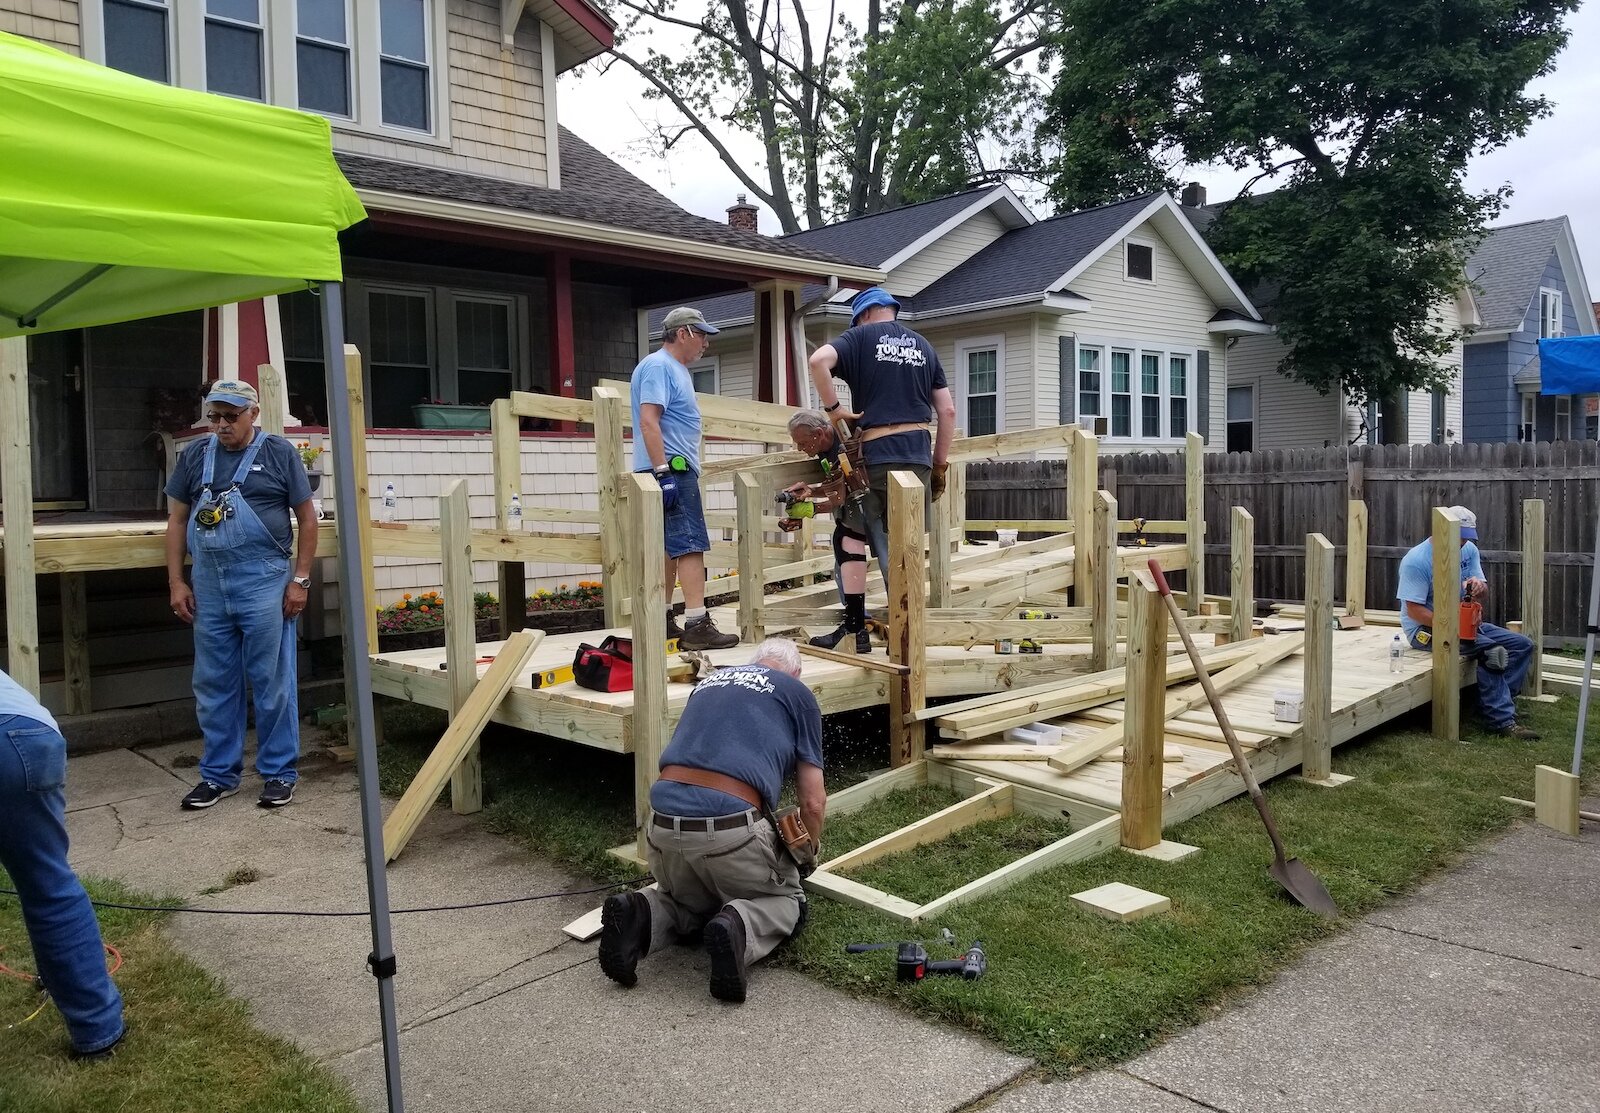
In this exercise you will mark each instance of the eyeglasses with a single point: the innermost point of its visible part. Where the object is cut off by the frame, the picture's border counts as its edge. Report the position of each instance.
(215, 418)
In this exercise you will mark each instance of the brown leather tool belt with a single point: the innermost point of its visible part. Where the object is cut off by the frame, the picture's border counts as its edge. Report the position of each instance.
(721, 782)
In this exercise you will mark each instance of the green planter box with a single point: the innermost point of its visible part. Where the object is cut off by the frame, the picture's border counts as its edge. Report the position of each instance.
(451, 417)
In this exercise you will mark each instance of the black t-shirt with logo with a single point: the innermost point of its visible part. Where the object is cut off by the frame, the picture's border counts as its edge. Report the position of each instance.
(892, 373)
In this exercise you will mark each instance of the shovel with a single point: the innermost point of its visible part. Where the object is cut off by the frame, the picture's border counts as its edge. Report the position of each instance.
(1291, 873)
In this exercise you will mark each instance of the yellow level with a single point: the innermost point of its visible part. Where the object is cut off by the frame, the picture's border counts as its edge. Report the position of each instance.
(551, 677)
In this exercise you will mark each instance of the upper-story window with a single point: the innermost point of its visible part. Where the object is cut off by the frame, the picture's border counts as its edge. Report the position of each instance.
(137, 38)
(404, 66)
(322, 56)
(1549, 312)
(235, 49)
(1141, 262)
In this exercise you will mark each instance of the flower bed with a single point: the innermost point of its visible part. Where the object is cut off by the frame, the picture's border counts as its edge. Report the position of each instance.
(417, 622)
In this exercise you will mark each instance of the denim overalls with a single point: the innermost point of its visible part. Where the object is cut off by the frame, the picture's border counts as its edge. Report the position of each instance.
(240, 574)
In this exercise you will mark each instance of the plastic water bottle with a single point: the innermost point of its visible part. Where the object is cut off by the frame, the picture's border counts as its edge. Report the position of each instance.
(514, 515)
(390, 502)
(1397, 655)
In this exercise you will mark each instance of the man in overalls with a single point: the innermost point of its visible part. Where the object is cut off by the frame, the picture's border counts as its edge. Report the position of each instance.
(230, 497)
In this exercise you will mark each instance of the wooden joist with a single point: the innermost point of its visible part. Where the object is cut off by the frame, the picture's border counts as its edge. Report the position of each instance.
(859, 660)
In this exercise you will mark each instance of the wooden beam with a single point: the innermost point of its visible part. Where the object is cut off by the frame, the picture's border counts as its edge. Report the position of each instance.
(992, 803)
(1555, 799)
(858, 796)
(271, 394)
(1194, 513)
(1355, 560)
(16, 505)
(511, 576)
(1316, 764)
(458, 739)
(609, 420)
(1083, 467)
(1242, 560)
(844, 890)
(995, 445)
(945, 517)
(366, 591)
(1446, 624)
(1533, 590)
(747, 494)
(859, 660)
(75, 642)
(648, 719)
(1157, 526)
(1069, 626)
(460, 638)
(1101, 555)
(525, 403)
(1145, 698)
(908, 578)
(1097, 838)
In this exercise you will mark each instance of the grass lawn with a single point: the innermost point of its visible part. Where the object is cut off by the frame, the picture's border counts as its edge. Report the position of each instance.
(1065, 987)
(189, 1045)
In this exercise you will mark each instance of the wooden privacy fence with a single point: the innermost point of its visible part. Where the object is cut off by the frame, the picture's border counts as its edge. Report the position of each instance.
(1296, 492)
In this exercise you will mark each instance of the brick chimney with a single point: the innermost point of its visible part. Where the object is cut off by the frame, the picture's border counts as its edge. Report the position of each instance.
(743, 215)
(1194, 195)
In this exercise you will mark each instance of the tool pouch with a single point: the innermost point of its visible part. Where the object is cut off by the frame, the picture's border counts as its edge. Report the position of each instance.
(795, 838)
(607, 667)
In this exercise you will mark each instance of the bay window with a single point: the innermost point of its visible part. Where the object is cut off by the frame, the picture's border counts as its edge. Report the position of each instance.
(1149, 395)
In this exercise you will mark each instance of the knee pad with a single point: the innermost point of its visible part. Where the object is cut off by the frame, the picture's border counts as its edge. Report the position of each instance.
(844, 555)
(1495, 658)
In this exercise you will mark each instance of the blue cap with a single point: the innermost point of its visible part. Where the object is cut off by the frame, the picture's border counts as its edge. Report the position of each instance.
(871, 298)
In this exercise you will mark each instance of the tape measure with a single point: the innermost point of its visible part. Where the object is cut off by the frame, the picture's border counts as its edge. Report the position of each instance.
(563, 675)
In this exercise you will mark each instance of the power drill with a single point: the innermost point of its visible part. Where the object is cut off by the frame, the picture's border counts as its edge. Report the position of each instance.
(796, 507)
(911, 963)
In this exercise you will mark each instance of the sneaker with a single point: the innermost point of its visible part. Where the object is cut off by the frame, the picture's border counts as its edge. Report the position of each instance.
(275, 794)
(703, 634)
(206, 793)
(725, 944)
(1520, 732)
(624, 935)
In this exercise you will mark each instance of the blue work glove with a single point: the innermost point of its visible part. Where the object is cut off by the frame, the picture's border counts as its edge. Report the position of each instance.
(669, 489)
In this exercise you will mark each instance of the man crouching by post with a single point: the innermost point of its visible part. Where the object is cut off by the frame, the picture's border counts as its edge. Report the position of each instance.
(719, 861)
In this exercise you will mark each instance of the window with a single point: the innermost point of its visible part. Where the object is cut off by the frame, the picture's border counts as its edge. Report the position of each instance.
(1563, 418)
(403, 65)
(1149, 394)
(1527, 418)
(136, 38)
(322, 57)
(300, 315)
(1549, 312)
(484, 369)
(1241, 418)
(1141, 260)
(1089, 382)
(234, 40)
(1438, 417)
(1591, 418)
(402, 354)
(1178, 396)
(1121, 394)
(705, 375)
(980, 393)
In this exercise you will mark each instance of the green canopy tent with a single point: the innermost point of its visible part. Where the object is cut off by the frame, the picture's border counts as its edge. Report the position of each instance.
(120, 199)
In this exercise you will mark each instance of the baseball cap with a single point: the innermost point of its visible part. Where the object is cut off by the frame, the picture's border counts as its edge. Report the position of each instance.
(233, 392)
(871, 298)
(1469, 523)
(687, 315)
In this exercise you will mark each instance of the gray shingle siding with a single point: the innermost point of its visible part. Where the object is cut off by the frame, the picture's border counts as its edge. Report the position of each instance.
(1488, 399)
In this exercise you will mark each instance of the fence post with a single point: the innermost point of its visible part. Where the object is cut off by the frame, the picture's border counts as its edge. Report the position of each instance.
(1103, 594)
(1194, 512)
(1316, 764)
(907, 600)
(752, 555)
(460, 637)
(1144, 714)
(1533, 590)
(1083, 483)
(1355, 560)
(647, 720)
(511, 576)
(608, 426)
(1243, 567)
(1446, 624)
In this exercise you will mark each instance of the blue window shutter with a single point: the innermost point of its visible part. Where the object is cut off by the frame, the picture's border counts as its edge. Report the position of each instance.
(1068, 373)
(1202, 384)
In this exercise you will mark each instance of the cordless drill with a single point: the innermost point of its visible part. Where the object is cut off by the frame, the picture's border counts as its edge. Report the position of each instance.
(796, 507)
(911, 963)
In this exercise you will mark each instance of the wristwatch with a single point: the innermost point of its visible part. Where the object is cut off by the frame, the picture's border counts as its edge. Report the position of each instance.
(303, 581)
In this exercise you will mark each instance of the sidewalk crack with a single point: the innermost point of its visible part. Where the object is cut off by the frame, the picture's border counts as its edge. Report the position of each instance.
(1482, 950)
(1175, 1093)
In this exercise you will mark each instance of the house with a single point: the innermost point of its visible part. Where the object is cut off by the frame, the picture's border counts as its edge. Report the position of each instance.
(1268, 410)
(1119, 317)
(1530, 285)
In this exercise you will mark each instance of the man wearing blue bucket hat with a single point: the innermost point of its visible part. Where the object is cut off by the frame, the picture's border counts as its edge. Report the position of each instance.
(896, 382)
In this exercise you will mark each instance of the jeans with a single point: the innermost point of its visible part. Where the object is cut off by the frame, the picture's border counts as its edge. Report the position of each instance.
(1496, 690)
(878, 527)
(67, 948)
(240, 633)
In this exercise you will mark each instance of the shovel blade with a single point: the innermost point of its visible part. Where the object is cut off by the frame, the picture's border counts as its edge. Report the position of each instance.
(1301, 884)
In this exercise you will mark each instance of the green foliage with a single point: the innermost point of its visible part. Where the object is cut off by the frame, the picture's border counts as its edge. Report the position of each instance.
(1367, 109)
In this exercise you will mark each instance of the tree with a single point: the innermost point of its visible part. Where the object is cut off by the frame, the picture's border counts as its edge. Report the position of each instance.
(1364, 112)
(922, 98)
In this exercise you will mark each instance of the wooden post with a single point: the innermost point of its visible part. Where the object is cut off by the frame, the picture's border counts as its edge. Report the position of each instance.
(1084, 463)
(1194, 513)
(16, 504)
(75, 642)
(1103, 593)
(1144, 717)
(1355, 561)
(748, 505)
(944, 520)
(609, 421)
(1555, 799)
(366, 592)
(956, 492)
(1533, 590)
(1317, 763)
(460, 637)
(1243, 568)
(907, 607)
(646, 723)
(1446, 625)
(511, 577)
(270, 392)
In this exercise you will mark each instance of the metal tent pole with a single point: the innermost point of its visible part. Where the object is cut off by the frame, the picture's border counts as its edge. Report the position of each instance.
(1588, 654)
(358, 672)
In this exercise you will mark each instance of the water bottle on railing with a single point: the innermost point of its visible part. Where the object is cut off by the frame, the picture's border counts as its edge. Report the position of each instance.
(1397, 655)
(514, 515)
(390, 502)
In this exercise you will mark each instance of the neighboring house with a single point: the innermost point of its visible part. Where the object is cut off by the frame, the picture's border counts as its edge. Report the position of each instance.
(1118, 317)
(1530, 284)
(1268, 410)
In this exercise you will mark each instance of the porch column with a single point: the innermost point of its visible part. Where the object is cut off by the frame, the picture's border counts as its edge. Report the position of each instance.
(777, 368)
(563, 357)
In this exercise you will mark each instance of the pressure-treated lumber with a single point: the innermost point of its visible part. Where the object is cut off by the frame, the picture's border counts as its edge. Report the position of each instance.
(947, 514)
(551, 407)
(609, 421)
(1533, 591)
(747, 496)
(1242, 560)
(271, 395)
(511, 576)
(993, 802)
(1103, 569)
(460, 638)
(1146, 687)
(866, 661)
(1045, 630)
(861, 896)
(1083, 476)
(75, 642)
(1355, 560)
(995, 445)
(460, 737)
(649, 714)
(908, 578)
(1446, 624)
(356, 393)
(1121, 902)
(1555, 799)
(16, 503)
(1592, 817)
(1316, 762)
(858, 796)
(1097, 838)
(1194, 507)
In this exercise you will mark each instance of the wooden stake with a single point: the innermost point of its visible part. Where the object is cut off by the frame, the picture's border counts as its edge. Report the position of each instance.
(1446, 624)
(75, 642)
(1144, 719)
(747, 494)
(16, 505)
(1316, 765)
(355, 390)
(1194, 512)
(609, 422)
(1555, 799)
(1355, 560)
(1084, 463)
(908, 577)
(1102, 572)
(1242, 560)
(511, 576)
(1533, 590)
(647, 722)
(460, 637)
(270, 392)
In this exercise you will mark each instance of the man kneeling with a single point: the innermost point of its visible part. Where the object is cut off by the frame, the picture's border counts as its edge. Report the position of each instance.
(718, 862)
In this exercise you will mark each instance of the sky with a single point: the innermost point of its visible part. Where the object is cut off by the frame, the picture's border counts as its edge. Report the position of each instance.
(1553, 170)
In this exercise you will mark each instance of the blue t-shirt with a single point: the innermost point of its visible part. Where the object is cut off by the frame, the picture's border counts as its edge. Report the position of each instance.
(277, 480)
(1416, 579)
(662, 381)
(15, 700)
(892, 373)
(749, 722)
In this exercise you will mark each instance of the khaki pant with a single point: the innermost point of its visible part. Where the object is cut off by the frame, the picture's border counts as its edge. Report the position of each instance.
(699, 872)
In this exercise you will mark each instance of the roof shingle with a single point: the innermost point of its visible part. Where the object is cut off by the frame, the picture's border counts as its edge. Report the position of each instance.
(1506, 269)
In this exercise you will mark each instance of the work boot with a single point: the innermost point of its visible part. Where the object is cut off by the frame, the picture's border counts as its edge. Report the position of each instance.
(673, 629)
(832, 638)
(724, 937)
(863, 642)
(1519, 732)
(703, 634)
(624, 935)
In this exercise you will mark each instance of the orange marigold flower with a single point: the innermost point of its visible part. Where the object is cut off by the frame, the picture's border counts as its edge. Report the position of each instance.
(424, 608)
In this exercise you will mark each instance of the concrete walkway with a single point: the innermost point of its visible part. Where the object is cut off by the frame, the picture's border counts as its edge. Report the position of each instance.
(1481, 991)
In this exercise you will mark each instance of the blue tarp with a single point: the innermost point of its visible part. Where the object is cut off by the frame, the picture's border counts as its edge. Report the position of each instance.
(1569, 365)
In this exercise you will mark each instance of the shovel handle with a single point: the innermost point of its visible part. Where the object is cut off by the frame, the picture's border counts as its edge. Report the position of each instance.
(1240, 762)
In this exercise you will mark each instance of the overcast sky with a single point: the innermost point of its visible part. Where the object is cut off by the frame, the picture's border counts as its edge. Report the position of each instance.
(1553, 170)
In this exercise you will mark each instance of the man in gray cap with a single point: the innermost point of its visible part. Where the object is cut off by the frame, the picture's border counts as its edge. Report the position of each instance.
(666, 443)
(231, 495)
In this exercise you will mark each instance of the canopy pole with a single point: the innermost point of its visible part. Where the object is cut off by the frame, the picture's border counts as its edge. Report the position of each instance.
(353, 571)
(1588, 654)
(30, 319)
